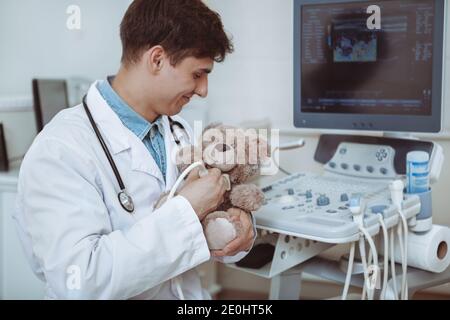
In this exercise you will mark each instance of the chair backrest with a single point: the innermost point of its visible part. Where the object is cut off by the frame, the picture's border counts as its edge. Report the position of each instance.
(4, 163)
(49, 96)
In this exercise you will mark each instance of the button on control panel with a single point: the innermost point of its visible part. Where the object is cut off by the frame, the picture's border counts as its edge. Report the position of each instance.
(363, 161)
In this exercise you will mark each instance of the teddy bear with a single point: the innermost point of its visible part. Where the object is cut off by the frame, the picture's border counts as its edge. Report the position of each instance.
(239, 155)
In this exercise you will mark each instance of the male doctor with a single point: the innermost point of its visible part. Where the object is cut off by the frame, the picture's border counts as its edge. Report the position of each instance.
(79, 239)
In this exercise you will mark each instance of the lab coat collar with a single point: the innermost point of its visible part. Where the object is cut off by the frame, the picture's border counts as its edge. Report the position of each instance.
(119, 138)
(143, 161)
(171, 168)
(109, 124)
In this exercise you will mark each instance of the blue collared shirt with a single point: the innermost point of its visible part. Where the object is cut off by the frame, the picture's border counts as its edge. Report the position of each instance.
(151, 134)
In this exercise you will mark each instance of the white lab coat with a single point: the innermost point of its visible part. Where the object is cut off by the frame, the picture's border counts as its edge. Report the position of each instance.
(78, 238)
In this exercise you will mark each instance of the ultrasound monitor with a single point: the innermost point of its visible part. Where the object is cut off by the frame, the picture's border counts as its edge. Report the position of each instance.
(349, 76)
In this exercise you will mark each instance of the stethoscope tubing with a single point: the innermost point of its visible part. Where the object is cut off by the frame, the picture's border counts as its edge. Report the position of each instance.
(104, 147)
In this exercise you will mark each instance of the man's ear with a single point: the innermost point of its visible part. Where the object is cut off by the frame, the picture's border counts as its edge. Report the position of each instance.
(156, 58)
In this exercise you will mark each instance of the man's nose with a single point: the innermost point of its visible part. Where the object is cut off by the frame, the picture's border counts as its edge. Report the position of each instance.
(202, 87)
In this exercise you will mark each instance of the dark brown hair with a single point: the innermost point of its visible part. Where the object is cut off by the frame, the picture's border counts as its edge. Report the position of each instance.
(182, 27)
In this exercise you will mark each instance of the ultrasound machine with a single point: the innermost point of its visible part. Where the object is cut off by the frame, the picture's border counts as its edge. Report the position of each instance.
(350, 77)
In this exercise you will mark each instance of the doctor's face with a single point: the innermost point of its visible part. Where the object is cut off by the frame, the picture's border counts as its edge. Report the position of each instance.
(177, 84)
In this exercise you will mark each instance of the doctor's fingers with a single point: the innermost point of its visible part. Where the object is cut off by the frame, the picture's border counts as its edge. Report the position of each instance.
(236, 213)
(214, 173)
(242, 243)
(215, 177)
(223, 185)
(218, 203)
(193, 175)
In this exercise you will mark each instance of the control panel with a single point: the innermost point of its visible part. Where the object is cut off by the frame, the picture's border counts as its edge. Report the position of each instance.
(365, 161)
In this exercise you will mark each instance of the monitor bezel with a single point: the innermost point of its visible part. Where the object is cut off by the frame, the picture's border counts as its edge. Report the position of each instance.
(372, 122)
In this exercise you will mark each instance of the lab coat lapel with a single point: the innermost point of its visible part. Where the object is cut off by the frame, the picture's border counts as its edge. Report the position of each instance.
(171, 149)
(142, 160)
(171, 170)
(118, 137)
(108, 123)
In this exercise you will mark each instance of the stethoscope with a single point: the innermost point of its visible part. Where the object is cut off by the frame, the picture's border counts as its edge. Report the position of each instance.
(178, 131)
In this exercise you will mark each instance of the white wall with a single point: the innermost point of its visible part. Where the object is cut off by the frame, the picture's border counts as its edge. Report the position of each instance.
(35, 41)
(257, 78)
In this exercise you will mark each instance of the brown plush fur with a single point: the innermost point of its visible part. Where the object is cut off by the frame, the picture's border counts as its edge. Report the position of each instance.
(246, 196)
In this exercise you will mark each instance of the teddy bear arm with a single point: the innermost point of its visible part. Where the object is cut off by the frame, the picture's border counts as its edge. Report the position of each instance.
(247, 197)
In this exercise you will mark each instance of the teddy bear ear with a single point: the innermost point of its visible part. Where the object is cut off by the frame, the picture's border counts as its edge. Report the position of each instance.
(211, 133)
(211, 126)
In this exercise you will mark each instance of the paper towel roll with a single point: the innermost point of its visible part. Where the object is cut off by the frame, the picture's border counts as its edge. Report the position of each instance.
(427, 251)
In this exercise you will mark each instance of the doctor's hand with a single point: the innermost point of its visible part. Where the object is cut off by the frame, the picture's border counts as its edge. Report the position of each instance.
(204, 194)
(244, 241)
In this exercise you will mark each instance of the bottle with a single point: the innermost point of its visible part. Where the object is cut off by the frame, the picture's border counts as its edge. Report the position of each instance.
(417, 172)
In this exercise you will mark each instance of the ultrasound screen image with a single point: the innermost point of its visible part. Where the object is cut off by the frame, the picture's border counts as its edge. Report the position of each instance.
(349, 45)
(347, 68)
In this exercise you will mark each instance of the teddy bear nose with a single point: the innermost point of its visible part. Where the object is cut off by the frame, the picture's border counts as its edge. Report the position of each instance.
(221, 156)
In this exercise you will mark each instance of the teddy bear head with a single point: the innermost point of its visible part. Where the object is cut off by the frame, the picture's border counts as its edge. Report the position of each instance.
(232, 150)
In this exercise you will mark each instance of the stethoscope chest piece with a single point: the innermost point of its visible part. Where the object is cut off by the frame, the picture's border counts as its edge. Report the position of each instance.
(126, 201)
